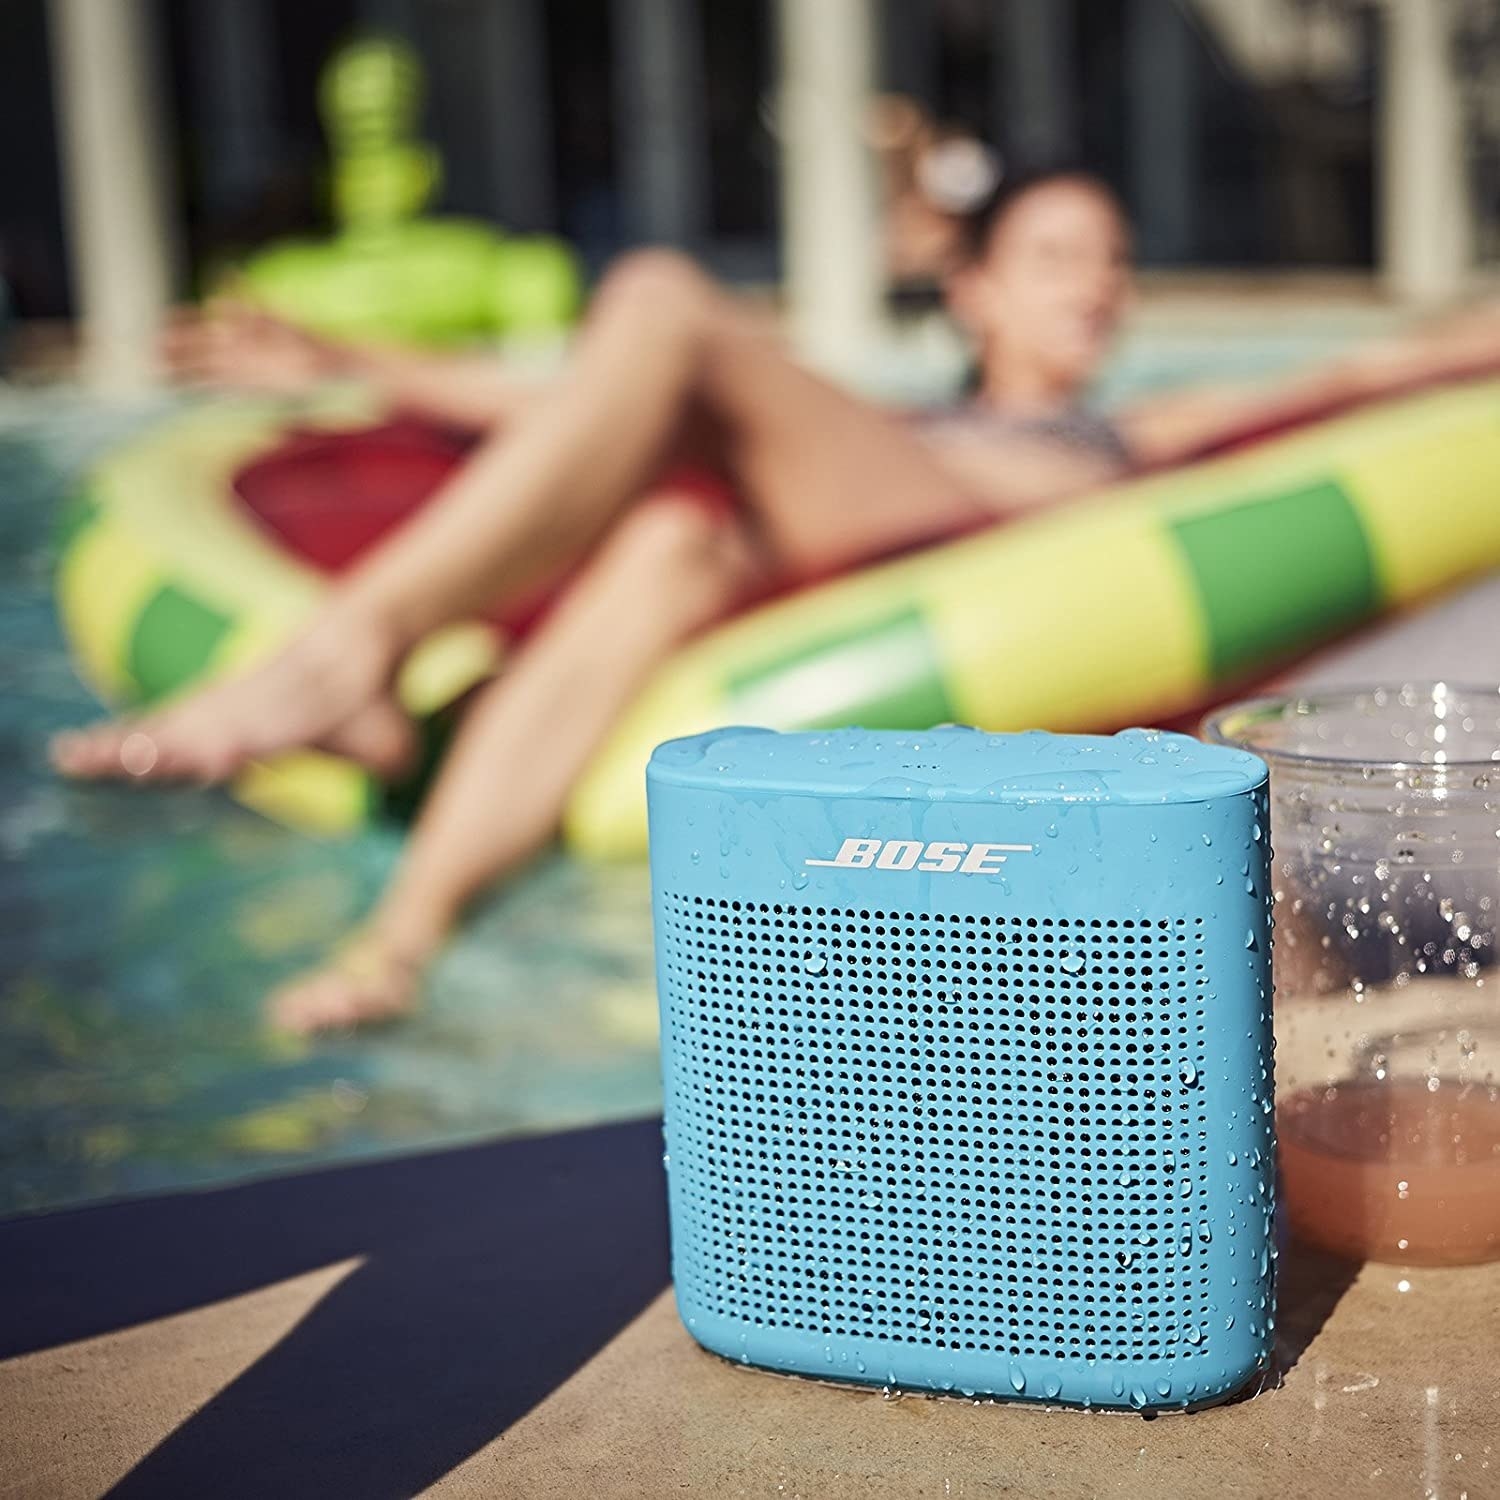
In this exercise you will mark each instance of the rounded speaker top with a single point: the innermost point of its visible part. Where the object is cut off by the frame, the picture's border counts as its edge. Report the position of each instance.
(955, 763)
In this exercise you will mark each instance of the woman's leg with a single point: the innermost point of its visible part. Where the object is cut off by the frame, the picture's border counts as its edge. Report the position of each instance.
(665, 355)
(666, 358)
(513, 514)
(664, 572)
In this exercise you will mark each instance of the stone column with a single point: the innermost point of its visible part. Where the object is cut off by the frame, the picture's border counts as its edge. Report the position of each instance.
(829, 194)
(116, 184)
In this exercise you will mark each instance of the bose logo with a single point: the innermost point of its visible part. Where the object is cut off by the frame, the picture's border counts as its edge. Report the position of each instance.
(913, 854)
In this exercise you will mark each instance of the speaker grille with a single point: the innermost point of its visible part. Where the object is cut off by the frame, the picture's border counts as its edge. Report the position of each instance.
(977, 1133)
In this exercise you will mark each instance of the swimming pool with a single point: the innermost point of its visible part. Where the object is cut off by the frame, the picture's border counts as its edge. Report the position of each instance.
(139, 933)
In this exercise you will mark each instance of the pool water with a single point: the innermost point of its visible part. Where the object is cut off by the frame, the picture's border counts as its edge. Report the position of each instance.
(140, 932)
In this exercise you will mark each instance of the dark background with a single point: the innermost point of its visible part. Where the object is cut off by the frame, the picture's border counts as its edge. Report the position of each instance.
(525, 105)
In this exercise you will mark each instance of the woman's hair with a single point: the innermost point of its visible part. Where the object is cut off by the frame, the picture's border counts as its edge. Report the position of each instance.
(978, 220)
(977, 224)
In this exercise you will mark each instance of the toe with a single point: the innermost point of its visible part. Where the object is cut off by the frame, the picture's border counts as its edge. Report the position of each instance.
(91, 752)
(65, 752)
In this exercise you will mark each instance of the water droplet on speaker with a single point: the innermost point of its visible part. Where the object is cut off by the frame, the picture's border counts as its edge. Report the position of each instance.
(1137, 1397)
(1117, 1385)
(1052, 1386)
(1017, 1379)
(696, 856)
(1205, 1232)
(1233, 1159)
(1189, 1074)
(1193, 1335)
(1207, 841)
(1071, 963)
(869, 1200)
(1229, 1321)
(815, 963)
(1163, 1387)
(1125, 1259)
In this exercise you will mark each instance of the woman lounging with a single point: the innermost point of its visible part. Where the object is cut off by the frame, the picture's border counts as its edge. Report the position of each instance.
(682, 465)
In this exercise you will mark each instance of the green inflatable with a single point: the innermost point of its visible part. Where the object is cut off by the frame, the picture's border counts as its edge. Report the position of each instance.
(389, 274)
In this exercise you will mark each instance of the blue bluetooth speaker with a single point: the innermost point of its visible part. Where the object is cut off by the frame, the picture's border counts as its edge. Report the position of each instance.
(967, 1049)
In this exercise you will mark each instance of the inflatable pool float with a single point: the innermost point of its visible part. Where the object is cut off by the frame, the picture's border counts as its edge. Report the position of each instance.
(1129, 607)
(201, 544)
(390, 274)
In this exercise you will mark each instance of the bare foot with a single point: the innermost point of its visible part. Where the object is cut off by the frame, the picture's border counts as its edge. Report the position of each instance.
(367, 981)
(330, 688)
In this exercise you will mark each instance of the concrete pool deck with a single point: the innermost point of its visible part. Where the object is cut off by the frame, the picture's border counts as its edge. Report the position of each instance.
(430, 1326)
(356, 1330)
(1395, 1394)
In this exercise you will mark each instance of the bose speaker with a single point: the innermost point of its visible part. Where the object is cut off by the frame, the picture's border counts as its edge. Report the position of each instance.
(967, 1057)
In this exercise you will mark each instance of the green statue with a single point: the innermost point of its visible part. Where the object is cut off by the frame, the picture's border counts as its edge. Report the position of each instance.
(389, 273)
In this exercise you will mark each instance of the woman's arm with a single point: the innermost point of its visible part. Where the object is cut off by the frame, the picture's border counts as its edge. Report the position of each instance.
(230, 343)
(1172, 427)
(1179, 425)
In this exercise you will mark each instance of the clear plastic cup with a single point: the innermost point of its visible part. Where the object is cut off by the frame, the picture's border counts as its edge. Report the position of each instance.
(1385, 827)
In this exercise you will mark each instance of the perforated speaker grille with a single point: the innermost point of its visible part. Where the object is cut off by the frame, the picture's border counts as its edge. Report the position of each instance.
(975, 1133)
